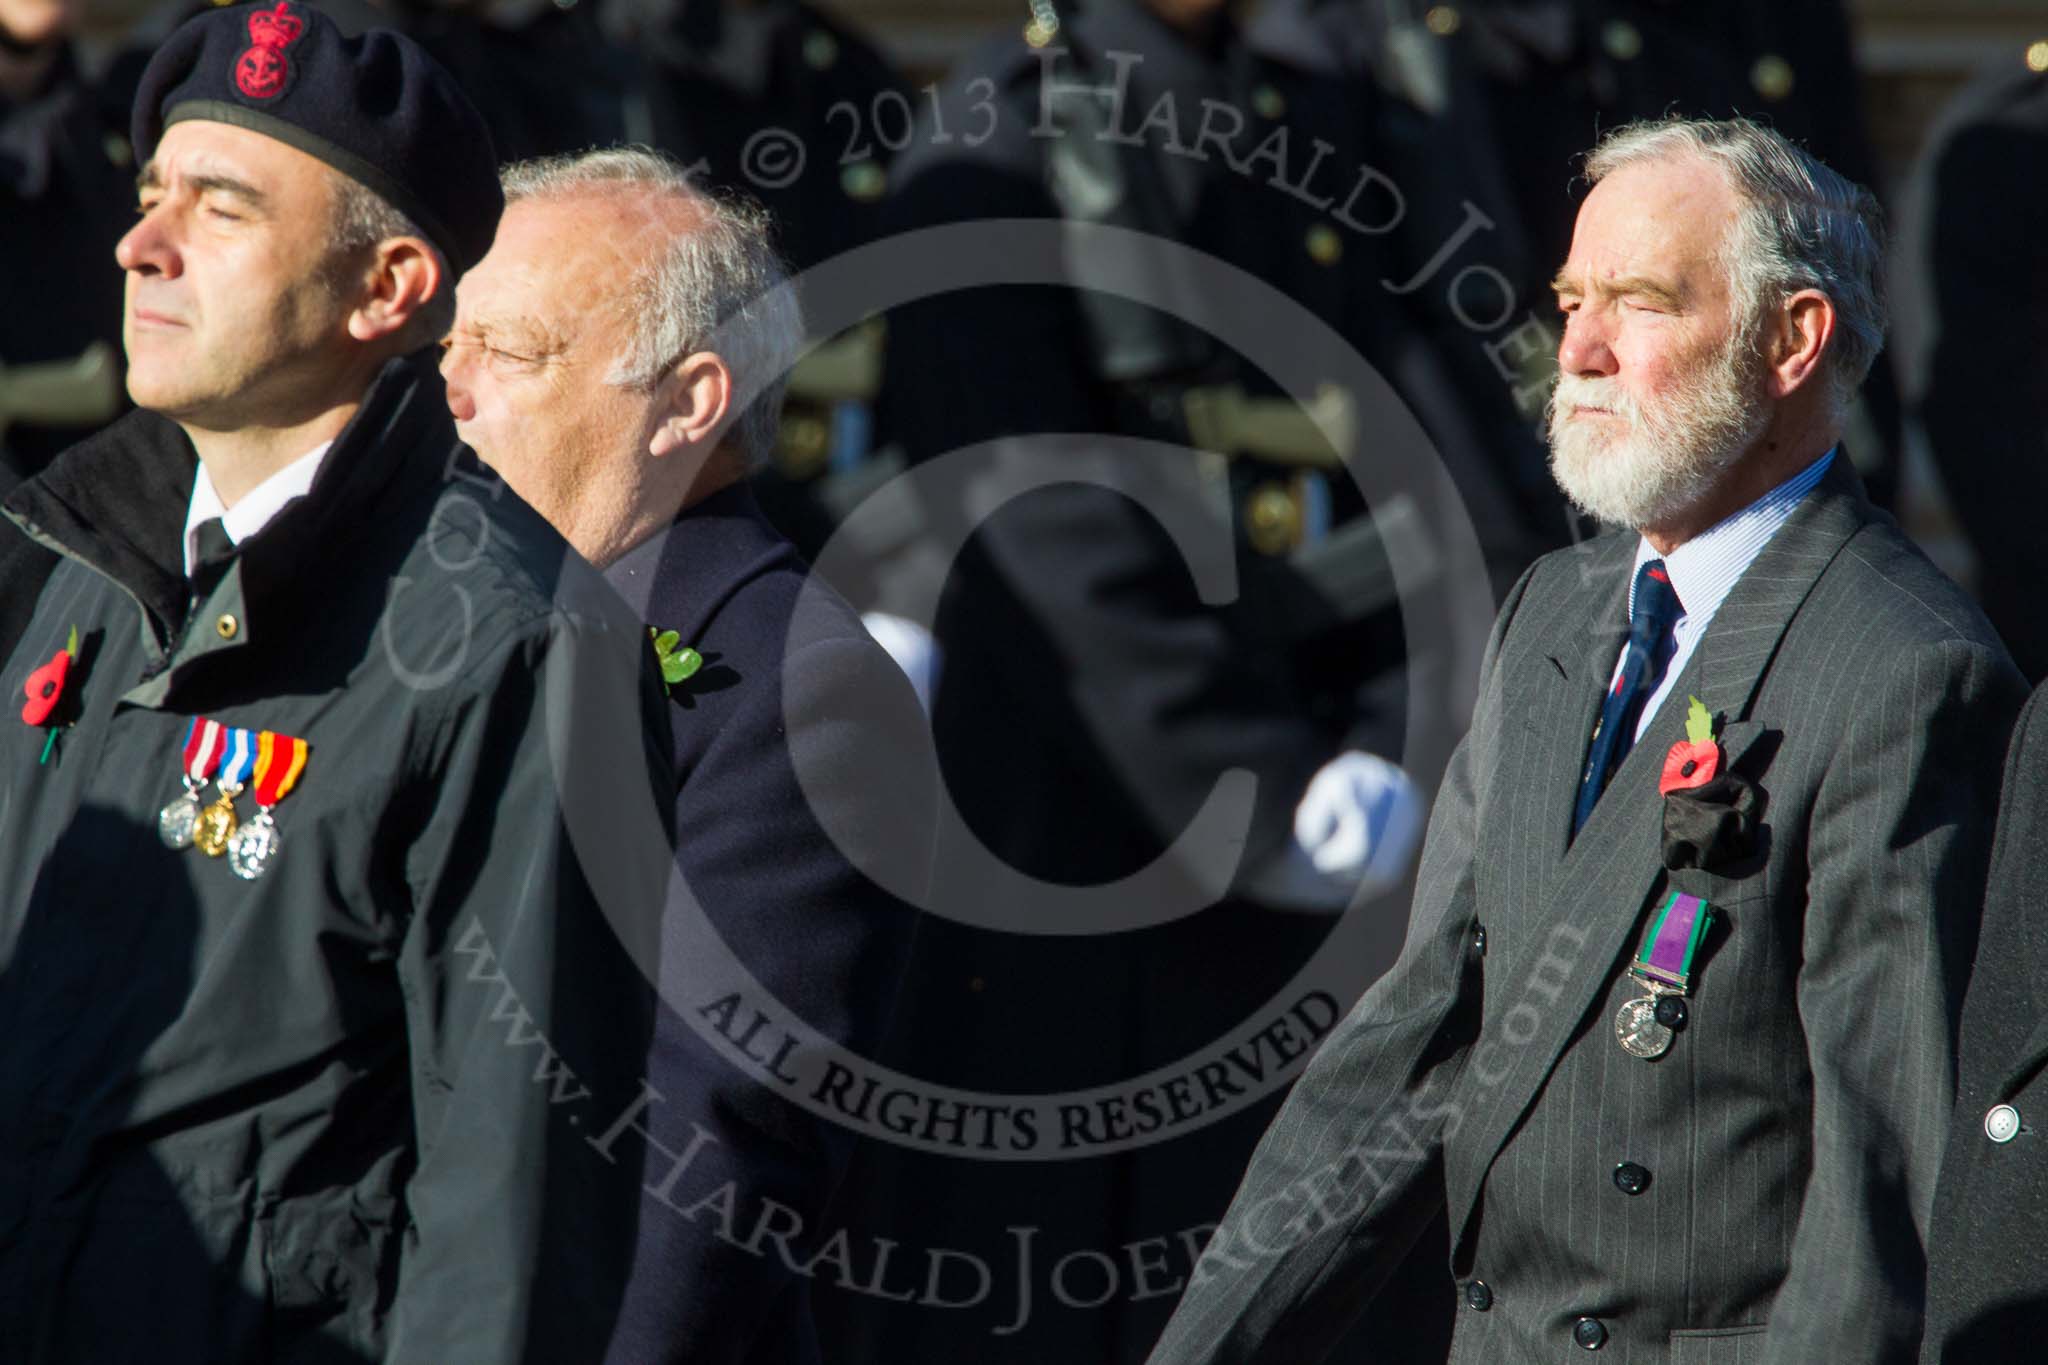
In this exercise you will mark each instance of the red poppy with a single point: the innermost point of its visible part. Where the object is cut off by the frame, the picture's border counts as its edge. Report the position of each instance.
(1691, 763)
(45, 688)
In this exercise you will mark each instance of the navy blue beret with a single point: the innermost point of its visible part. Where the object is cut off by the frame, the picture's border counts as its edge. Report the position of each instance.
(375, 107)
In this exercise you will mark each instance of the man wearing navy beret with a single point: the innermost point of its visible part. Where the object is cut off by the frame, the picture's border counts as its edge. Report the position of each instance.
(311, 996)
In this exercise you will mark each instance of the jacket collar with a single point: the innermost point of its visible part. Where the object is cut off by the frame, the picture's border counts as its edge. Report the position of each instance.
(1599, 882)
(678, 580)
(116, 502)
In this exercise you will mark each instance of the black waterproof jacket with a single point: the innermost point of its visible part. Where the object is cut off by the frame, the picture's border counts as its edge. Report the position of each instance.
(344, 1111)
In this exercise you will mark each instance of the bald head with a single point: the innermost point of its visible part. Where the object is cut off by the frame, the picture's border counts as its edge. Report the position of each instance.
(620, 352)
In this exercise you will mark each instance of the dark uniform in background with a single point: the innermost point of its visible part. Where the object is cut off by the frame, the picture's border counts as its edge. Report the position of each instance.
(1987, 1286)
(67, 193)
(1087, 699)
(542, 74)
(66, 196)
(1973, 251)
(1452, 304)
(780, 101)
(1514, 93)
(1979, 383)
(716, 83)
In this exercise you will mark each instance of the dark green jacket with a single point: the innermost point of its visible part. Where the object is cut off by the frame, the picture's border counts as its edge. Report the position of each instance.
(341, 1112)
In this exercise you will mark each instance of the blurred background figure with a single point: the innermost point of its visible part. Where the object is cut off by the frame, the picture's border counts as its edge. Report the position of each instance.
(1511, 93)
(1088, 698)
(782, 101)
(1975, 259)
(544, 75)
(719, 80)
(66, 193)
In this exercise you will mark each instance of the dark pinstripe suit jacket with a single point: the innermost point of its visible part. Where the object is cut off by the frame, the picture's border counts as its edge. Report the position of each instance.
(1792, 1133)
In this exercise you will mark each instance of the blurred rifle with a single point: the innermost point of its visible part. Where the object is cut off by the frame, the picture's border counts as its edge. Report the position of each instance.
(81, 392)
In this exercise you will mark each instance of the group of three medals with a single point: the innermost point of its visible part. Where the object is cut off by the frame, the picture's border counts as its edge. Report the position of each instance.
(236, 758)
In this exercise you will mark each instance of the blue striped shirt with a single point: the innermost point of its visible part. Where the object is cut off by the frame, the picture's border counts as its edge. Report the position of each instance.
(1705, 568)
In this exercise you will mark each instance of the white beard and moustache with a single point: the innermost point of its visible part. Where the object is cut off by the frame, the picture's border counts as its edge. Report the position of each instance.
(1673, 451)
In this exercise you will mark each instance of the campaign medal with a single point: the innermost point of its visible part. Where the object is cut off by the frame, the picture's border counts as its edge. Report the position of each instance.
(1663, 967)
(205, 742)
(279, 761)
(217, 821)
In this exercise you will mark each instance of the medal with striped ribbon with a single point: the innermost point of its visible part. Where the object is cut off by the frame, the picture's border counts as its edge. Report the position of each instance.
(217, 821)
(205, 742)
(279, 761)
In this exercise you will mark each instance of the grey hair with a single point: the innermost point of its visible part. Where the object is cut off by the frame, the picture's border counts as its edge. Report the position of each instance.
(1800, 226)
(718, 287)
(363, 218)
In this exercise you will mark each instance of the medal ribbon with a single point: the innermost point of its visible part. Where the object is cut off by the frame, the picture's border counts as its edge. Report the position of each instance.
(1675, 934)
(203, 748)
(279, 761)
(240, 760)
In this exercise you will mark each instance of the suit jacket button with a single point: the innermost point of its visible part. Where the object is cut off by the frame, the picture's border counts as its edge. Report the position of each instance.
(1671, 1012)
(2002, 1124)
(1590, 1333)
(1479, 939)
(1630, 1179)
(1478, 1297)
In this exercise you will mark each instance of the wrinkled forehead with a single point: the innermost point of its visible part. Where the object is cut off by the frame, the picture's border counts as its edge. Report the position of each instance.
(1667, 220)
(574, 262)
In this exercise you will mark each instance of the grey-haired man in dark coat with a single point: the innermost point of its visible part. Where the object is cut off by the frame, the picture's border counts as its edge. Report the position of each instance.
(618, 357)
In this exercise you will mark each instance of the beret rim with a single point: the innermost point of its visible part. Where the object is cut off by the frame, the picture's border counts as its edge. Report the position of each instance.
(341, 159)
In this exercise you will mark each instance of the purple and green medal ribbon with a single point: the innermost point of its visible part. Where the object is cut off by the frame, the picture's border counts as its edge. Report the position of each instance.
(1675, 933)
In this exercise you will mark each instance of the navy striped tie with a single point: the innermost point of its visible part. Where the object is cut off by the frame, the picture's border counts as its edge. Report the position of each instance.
(1654, 611)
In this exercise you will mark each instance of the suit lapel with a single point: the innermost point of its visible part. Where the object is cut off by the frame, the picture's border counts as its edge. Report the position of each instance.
(1562, 685)
(1565, 957)
(1739, 646)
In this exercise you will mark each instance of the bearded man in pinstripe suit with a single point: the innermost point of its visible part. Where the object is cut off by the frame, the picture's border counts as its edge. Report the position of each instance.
(1673, 1033)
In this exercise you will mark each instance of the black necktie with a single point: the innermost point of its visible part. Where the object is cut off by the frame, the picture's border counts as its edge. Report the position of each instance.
(211, 556)
(1650, 619)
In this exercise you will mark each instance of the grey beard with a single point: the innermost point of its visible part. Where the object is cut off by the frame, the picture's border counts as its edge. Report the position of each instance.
(1672, 454)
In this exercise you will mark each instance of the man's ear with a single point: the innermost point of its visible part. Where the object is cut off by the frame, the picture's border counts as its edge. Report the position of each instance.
(402, 276)
(695, 398)
(1799, 338)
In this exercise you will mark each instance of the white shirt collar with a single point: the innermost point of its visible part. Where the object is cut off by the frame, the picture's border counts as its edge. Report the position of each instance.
(1705, 568)
(258, 506)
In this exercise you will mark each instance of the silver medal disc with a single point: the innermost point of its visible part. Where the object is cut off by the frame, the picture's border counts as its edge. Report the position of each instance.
(176, 822)
(253, 847)
(1640, 1033)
